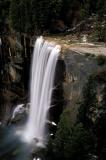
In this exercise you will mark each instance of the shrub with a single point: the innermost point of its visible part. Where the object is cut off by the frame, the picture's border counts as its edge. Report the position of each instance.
(101, 60)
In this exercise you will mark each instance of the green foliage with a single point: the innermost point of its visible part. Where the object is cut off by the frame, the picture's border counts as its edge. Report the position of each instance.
(28, 15)
(100, 31)
(4, 11)
(89, 103)
(87, 8)
(45, 11)
(92, 112)
(78, 145)
(101, 60)
(15, 15)
(20, 12)
(64, 130)
(49, 150)
(100, 128)
(101, 7)
(71, 141)
(82, 13)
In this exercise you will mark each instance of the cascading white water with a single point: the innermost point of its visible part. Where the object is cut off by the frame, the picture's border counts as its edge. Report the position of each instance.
(44, 60)
(18, 109)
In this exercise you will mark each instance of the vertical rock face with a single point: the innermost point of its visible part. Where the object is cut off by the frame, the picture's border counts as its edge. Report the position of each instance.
(58, 100)
(12, 89)
(78, 69)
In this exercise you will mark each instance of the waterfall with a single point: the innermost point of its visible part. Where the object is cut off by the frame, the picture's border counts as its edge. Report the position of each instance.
(44, 60)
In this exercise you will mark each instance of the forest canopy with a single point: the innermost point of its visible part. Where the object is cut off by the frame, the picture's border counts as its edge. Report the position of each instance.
(29, 16)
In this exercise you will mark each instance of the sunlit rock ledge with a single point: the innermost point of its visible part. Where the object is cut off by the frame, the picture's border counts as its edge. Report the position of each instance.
(69, 43)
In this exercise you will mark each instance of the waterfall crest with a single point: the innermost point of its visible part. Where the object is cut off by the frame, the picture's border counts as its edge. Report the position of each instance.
(44, 60)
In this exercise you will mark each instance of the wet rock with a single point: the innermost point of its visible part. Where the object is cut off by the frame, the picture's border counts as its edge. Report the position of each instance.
(19, 114)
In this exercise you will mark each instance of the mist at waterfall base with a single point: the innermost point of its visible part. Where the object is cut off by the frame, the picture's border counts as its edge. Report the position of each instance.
(21, 141)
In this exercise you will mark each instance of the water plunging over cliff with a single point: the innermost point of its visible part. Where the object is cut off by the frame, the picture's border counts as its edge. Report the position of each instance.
(44, 60)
